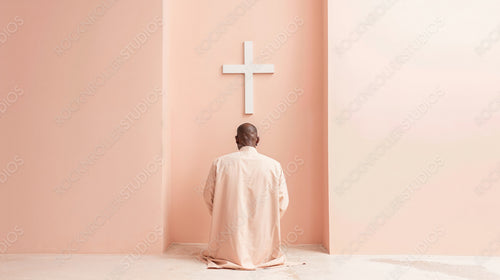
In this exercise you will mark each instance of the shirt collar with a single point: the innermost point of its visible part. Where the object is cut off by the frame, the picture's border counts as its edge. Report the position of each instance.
(248, 149)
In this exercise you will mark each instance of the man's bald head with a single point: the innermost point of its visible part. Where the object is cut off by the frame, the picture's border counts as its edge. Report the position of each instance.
(247, 135)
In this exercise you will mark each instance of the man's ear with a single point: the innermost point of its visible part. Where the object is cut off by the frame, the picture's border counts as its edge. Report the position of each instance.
(236, 139)
(257, 142)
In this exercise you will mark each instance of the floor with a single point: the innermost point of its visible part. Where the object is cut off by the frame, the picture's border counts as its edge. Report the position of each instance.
(305, 262)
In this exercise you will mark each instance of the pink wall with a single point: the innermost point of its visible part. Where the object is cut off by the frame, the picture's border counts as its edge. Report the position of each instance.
(412, 163)
(206, 106)
(100, 59)
(414, 127)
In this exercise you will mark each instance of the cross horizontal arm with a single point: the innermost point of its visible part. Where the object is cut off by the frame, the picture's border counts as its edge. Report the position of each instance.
(262, 68)
(242, 68)
(233, 68)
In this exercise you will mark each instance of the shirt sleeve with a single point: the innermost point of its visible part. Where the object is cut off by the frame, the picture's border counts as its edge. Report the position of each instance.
(283, 194)
(208, 192)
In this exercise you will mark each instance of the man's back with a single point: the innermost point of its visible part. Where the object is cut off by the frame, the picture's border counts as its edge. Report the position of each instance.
(246, 194)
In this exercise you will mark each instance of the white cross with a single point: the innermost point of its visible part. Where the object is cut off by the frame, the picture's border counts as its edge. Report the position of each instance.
(248, 69)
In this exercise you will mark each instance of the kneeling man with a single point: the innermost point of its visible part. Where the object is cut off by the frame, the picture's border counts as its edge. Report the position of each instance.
(246, 195)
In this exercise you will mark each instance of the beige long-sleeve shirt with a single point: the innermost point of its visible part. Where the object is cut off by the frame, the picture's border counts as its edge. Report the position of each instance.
(246, 195)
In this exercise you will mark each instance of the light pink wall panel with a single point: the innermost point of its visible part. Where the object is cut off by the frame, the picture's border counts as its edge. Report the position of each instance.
(414, 127)
(70, 155)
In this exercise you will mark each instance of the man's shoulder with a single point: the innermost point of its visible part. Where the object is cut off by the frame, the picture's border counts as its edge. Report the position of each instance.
(270, 160)
(227, 156)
